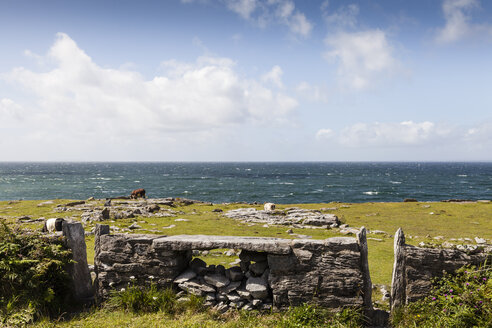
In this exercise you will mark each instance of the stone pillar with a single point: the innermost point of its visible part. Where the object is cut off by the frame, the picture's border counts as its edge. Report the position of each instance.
(367, 288)
(100, 229)
(398, 283)
(79, 271)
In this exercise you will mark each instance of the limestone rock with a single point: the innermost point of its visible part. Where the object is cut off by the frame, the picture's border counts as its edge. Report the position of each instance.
(196, 288)
(258, 268)
(185, 276)
(479, 240)
(258, 287)
(235, 273)
(217, 280)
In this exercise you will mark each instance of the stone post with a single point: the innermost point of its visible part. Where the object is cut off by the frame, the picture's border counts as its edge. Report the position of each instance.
(100, 229)
(367, 287)
(398, 283)
(79, 271)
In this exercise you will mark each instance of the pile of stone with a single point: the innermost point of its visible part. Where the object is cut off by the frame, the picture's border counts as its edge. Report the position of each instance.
(120, 210)
(241, 287)
(292, 216)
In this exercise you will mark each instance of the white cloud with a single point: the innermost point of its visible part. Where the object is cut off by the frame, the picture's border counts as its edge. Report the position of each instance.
(459, 25)
(364, 57)
(274, 76)
(457, 20)
(345, 16)
(324, 134)
(78, 99)
(265, 12)
(407, 133)
(9, 110)
(408, 140)
(312, 92)
(242, 7)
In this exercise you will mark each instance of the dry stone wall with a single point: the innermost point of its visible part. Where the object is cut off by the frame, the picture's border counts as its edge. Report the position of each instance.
(414, 268)
(272, 272)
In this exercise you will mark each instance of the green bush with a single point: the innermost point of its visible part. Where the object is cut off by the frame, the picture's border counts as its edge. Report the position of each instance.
(33, 276)
(138, 299)
(460, 300)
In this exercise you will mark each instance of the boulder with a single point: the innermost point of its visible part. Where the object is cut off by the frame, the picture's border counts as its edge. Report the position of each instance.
(258, 268)
(196, 288)
(217, 280)
(258, 287)
(185, 276)
(235, 273)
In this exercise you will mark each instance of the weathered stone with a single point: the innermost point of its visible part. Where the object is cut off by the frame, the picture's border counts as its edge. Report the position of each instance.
(79, 270)
(248, 307)
(256, 302)
(209, 297)
(134, 225)
(197, 265)
(479, 240)
(184, 242)
(185, 276)
(258, 287)
(217, 280)
(258, 268)
(196, 288)
(230, 287)
(233, 297)
(234, 273)
(244, 265)
(246, 295)
(220, 269)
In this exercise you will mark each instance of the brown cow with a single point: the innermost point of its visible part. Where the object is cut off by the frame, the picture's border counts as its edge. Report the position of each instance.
(138, 193)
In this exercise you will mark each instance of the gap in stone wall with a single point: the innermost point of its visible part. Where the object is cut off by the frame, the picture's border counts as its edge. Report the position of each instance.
(243, 285)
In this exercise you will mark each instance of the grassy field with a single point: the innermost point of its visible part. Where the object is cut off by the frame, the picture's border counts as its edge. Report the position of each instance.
(432, 223)
(421, 222)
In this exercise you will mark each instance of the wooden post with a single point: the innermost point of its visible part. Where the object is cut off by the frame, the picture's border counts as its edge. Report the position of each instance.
(398, 281)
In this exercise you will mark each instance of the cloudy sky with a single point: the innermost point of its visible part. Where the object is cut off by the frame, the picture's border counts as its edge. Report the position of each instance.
(246, 80)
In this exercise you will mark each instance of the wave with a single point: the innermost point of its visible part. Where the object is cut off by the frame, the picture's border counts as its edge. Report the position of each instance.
(370, 193)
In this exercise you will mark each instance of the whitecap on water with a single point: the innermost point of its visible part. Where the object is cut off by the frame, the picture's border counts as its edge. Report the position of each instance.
(462, 175)
(370, 193)
(395, 182)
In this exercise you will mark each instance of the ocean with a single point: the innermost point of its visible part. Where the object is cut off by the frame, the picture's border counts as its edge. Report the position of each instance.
(311, 182)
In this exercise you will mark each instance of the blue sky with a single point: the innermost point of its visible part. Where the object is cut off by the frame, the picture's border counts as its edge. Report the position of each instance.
(246, 80)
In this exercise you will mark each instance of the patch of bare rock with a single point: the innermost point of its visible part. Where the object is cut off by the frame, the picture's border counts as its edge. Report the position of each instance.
(292, 216)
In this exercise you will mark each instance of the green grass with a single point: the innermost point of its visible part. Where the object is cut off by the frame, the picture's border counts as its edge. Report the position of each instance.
(450, 220)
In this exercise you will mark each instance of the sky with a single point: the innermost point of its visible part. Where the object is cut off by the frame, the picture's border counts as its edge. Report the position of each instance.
(246, 80)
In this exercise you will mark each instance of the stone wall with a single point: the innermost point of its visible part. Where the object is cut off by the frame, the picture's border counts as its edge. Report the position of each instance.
(271, 272)
(414, 268)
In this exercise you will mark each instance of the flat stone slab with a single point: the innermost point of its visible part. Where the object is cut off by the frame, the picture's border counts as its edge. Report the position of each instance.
(256, 244)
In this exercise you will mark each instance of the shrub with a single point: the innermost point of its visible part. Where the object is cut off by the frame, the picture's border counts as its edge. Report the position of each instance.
(460, 300)
(138, 299)
(33, 276)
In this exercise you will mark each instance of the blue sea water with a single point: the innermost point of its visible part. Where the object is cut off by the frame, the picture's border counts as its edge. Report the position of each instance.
(310, 182)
